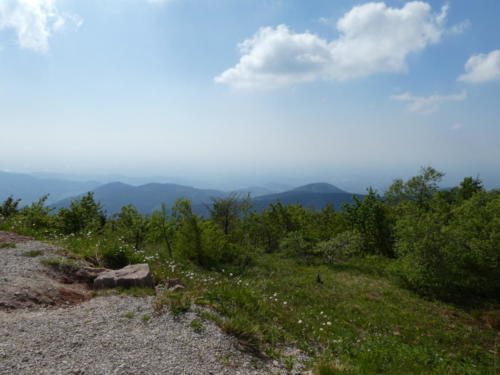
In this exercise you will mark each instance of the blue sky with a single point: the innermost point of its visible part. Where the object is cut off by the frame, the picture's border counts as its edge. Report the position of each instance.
(236, 92)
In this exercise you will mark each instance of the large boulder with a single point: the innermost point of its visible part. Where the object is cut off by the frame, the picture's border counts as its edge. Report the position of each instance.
(129, 276)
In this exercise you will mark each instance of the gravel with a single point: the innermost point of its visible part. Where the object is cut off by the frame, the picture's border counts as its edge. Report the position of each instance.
(112, 334)
(26, 283)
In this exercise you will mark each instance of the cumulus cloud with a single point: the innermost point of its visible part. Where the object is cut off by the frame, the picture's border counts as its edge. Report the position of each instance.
(482, 68)
(34, 21)
(428, 104)
(373, 38)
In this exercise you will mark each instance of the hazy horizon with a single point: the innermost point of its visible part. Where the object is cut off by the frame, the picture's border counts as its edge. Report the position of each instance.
(226, 94)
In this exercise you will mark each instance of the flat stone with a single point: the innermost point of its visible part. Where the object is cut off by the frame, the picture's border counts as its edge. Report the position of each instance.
(126, 277)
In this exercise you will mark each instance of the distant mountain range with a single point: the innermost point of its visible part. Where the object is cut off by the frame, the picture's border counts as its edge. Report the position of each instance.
(30, 188)
(147, 198)
(315, 196)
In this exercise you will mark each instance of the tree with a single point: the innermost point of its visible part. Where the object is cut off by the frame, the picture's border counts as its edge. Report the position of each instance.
(227, 212)
(202, 242)
(369, 217)
(189, 233)
(9, 207)
(163, 228)
(456, 254)
(36, 216)
(83, 214)
(132, 226)
(419, 189)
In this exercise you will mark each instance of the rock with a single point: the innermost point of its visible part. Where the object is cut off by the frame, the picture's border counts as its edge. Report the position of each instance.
(89, 274)
(129, 276)
(174, 284)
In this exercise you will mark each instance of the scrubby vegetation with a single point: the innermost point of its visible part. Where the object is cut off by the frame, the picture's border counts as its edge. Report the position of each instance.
(404, 282)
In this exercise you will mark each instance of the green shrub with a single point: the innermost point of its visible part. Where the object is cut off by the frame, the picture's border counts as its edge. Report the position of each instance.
(36, 217)
(83, 214)
(177, 302)
(454, 255)
(114, 253)
(131, 226)
(294, 244)
(343, 246)
(9, 207)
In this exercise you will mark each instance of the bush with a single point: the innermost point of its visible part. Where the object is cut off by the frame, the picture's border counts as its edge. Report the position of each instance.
(131, 226)
(9, 207)
(36, 217)
(115, 254)
(343, 246)
(456, 255)
(294, 244)
(83, 214)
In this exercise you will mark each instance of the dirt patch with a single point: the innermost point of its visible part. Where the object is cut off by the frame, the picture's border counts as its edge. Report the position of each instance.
(27, 283)
(9, 237)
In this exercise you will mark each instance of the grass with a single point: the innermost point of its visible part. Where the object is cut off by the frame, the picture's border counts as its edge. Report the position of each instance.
(178, 303)
(64, 265)
(146, 318)
(136, 291)
(129, 315)
(7, 245)
(359, 321)
(197, 325)
(32, 253)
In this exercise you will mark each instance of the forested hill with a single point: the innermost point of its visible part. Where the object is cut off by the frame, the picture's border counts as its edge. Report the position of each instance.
(314, 196)
(147, 198)
(30, 188)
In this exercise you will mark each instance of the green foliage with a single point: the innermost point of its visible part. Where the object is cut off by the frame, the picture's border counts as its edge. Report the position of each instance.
(9, 207)
(177, 303)
(32, 253)
(453, 255)
(294, 244)
(419, 189)
(64, 265)
(113, 252)
(369, 217)
(7, 245)
(131, 226)
(36, 217)
(345, 245)
(84, 214)
(129, 315)
(197, 325)
(227, 212)
(162, 228)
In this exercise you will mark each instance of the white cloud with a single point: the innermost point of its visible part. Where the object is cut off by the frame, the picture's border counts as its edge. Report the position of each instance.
(373, 38)
(428, 104)
(34, 21)
(482, 68)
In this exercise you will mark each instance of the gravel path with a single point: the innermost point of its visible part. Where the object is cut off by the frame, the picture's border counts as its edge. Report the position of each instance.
(115, 334)
(110, 335)
(25, 282)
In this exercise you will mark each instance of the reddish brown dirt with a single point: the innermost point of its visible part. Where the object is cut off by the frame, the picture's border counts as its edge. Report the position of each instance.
(9, 237)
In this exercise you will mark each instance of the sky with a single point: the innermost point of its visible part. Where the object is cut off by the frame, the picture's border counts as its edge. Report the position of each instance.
(227, 93)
